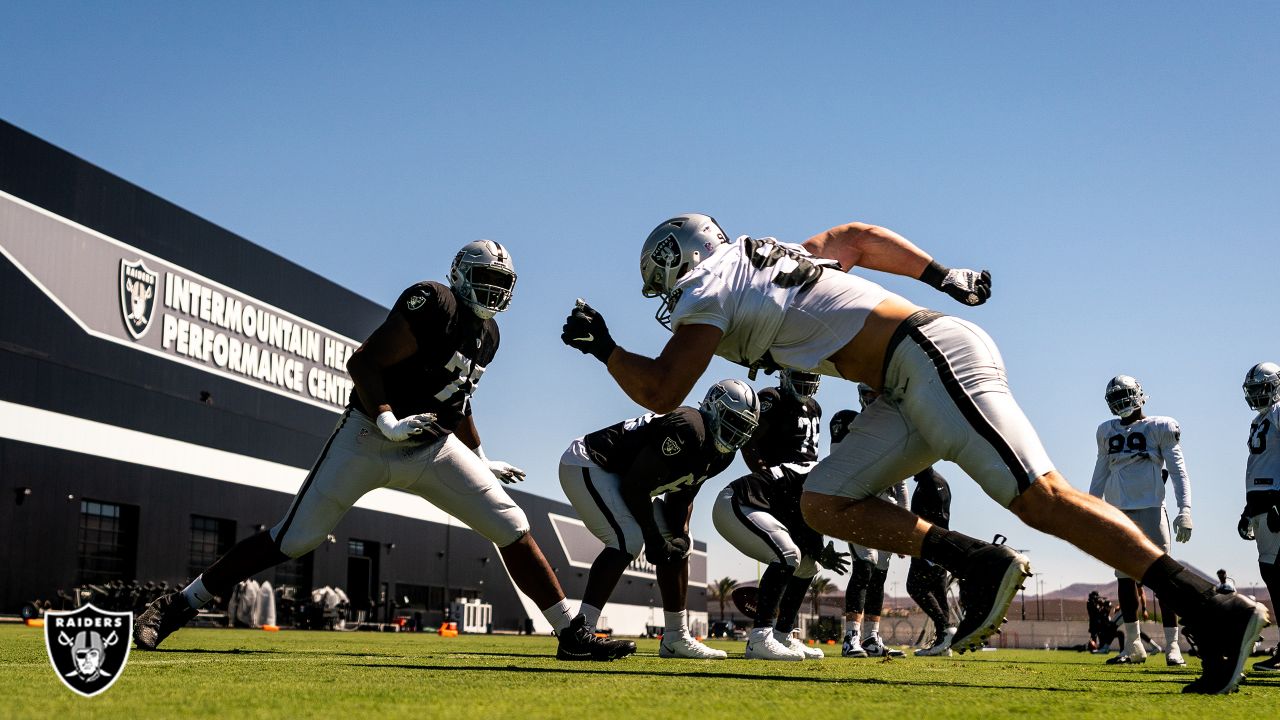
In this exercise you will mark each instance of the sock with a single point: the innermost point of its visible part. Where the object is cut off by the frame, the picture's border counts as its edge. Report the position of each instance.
(559, 615)
(677, 622)
(789, 605)
(196, 594)
(873, 627)
(852, 627)
(1171, 637)
(949, 549)
(1131, 636)
(591, 614)
(1186, 592)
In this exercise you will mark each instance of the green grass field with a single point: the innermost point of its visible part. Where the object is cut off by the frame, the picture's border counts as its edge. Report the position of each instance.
(248, 673)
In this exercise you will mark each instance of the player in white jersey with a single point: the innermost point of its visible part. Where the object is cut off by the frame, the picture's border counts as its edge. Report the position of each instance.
(762, 303)
(1260, 520)
(1137, 455)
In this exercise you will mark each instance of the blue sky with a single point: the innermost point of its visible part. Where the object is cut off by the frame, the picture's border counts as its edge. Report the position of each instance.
(1114, 165)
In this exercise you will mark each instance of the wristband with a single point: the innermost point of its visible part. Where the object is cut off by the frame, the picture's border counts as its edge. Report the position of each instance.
(933, 274)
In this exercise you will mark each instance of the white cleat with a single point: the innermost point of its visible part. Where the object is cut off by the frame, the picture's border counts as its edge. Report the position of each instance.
(763, 644)
(687, 646)
(1173, 656)
(941, 647)
(796, 644)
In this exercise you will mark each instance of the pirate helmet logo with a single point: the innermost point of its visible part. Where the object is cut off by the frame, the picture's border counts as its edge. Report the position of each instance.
(88, 647)
(137, 296)
(667, 253)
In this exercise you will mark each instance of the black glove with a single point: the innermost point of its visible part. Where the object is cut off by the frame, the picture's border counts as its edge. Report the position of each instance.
(585, 330)
(1273, 518)
(967, 286)
(1245, 528)
(663, 551)
(833, 560)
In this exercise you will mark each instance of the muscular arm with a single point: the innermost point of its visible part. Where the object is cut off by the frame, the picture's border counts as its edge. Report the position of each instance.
(391, 343)
(660, 384)
(869, 246)
(467, 432)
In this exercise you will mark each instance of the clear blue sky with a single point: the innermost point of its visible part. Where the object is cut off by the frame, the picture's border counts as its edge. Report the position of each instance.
(1114, 165)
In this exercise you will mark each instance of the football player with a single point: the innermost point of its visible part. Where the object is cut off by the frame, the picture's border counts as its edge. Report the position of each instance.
(864, 595)
(1260, 520)
(927, 582)
(633, 483)
(408, 426)
(759, 514)
(763, 303)
(1137, 455)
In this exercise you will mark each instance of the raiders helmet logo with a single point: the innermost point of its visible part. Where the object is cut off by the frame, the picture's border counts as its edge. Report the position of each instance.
(667, 253)
(88, 647)
(137, 296)
(670, 447)
(765, 405)
(416, 301)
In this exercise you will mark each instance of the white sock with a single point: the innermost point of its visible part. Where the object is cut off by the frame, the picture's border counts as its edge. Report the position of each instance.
(196, 594)
(591, 614)
(1171, 637)
(559, 615)
(677, 622)
(851, 626)
(1131, 636)
(873, 627)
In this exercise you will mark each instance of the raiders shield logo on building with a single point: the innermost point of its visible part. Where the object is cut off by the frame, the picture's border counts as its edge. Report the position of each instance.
(88, 647)
(137, 296)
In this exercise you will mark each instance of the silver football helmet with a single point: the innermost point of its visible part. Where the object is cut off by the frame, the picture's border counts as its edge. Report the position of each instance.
(673, 249)
(483, 277)
(866, 395)
(1262, 385)
(1124, 396)
(733, 412)
(798, 382)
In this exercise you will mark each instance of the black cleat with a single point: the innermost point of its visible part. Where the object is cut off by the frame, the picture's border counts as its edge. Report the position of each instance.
(164, 616)
(991, 579)
(1224, 633)
(1271, 664)
(579, 643)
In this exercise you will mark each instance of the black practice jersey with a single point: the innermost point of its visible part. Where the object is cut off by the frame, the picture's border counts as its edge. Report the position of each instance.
(780, 496)
(679, 438)
(840, 424)
(789, 427)
(932, 498)
(454, 347)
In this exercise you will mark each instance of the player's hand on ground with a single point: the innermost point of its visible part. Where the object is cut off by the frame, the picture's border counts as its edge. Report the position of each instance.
(967, 286)
(1182, 525)
(506, 472)
(1245, 528)
(585, 330)
(399, 430)
(834, 560)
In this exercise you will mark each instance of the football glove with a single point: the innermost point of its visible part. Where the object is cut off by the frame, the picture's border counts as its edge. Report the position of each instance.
(1182, 525)
(1245, 528)
(664, 551)
(504, 471)
(1273, 518)
(585, 330)
(970, 287)
(833, 560)
(401, 430)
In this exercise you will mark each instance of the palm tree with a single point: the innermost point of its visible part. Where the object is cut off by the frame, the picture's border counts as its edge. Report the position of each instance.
(720, 591)
(820, 586)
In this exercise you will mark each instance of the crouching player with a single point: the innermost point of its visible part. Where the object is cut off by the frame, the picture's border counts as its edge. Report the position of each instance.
(633, 484)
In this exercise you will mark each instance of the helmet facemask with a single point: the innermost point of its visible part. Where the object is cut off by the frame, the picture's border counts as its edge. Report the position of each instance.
(483, 277)
(1262, 386)
(800, 384)
(1124, 396)
(673, 249)
(732, 412)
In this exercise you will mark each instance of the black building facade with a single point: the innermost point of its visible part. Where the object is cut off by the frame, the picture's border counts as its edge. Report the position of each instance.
(166, 384)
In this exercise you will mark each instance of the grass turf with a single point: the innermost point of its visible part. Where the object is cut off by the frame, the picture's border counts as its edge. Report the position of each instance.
(249, 673)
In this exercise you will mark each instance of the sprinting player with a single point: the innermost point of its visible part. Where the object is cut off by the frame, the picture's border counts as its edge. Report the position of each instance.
(1260, 520)
(759, 514)
(927, 582)
(633, 483)
(408, 426)
(1137, 455)
(759, 302)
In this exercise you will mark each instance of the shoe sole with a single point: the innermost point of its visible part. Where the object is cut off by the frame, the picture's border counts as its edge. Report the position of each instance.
(1257, 621)
(672, 655)
(1019, 570)
(775, 659)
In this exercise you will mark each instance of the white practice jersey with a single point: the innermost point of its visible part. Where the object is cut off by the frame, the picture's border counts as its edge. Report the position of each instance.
(777, 298)
(1131, 459)
(1263, 470)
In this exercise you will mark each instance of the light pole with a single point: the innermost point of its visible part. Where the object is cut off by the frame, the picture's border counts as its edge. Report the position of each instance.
(1022, 589)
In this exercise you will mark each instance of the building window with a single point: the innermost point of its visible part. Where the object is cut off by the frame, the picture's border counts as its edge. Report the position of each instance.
(296, 573)
(211, 538)
(108, 548)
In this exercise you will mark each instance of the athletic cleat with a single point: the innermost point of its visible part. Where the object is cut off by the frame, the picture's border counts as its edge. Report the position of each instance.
(1223, 633)
(1173, 656)
(941, 647)
(687, 646)
(1134, 654)
(991, 580)
(763, 644)
(875, 647)
(577, 642)
(1271, 664)
(794, 643)
(852, 647)
(164, 616)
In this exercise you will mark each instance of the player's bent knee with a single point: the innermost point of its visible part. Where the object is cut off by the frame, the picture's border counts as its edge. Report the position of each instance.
(826, 513)
(295, 545)
(506, 528)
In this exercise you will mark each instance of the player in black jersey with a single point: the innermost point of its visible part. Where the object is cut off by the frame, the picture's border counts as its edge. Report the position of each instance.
(633, 483)
(759, 514)
(926, 581)
(408, 427)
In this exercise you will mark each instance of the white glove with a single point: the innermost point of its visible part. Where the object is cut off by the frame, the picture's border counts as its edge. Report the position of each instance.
(1182, 525)
(504, 471)
(401, 430)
